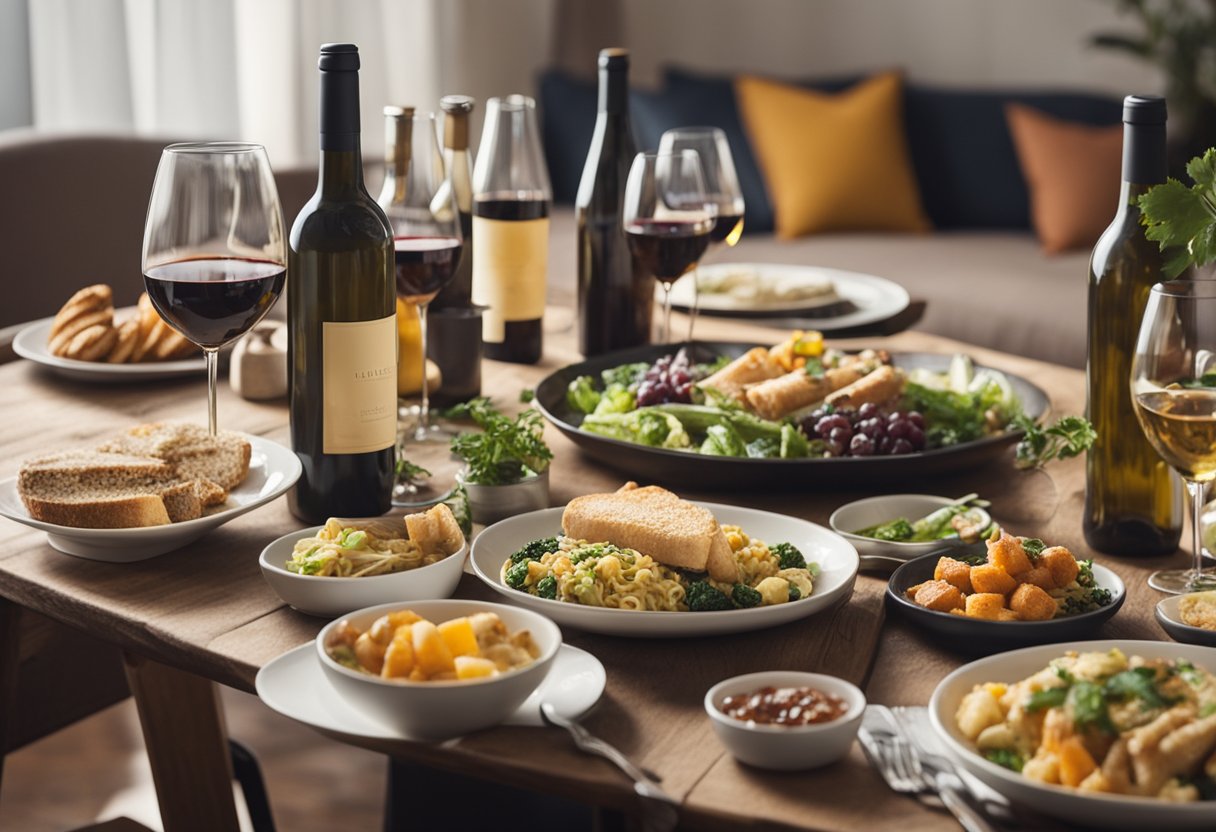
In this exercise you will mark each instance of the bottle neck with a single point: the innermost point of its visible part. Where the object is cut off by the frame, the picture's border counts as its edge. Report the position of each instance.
(1143, 154)
(456, 132)
(614, 91)
(341, 171)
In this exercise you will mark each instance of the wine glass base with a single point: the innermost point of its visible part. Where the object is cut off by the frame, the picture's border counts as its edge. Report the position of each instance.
(432, 453)
(1178, 581)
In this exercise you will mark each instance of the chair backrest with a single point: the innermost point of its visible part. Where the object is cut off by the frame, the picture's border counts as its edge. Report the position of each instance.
(74, 210)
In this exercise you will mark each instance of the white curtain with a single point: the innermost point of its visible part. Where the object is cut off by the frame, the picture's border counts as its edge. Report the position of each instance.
(246, 69)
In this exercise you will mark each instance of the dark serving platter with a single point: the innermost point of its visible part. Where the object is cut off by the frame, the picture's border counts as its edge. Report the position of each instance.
(973, 636)
(660, 465)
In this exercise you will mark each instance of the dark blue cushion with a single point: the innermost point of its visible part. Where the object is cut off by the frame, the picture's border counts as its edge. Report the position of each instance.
(964, 156)
(567, 121)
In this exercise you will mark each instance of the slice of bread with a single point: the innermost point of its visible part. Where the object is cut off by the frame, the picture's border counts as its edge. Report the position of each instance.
(655, 522)
(92, 470)
(99, 509)
(223, 460)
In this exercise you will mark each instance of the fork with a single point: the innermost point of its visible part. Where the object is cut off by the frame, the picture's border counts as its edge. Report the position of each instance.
(659, 809)
(907, 772)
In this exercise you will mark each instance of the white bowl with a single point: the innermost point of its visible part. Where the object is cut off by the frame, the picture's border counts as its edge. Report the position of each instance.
(1099, 811)
(445, 709)
(786, 748)
(862, 514)
(327, 596)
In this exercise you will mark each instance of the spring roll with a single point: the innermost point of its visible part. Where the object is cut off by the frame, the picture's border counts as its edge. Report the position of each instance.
(777, 397)
(880, 386)
(753, 366)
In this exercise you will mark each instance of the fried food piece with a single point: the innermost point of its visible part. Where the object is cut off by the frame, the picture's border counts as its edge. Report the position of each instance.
(1040, 576)
(877, 387)
(1032, 603)
(1005, 551)
(939, 595)
(1064, 567)
(753, 366)
(954, 572)
(779, 396)
(988, 578)
(986, 605)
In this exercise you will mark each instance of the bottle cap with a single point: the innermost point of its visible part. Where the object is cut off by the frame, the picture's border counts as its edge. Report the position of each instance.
(1144, 109)
(393, 111)
(339, 57)
(457, 104)
(614, 57)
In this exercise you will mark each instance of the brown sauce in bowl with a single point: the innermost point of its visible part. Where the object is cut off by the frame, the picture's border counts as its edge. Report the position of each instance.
(785, 706)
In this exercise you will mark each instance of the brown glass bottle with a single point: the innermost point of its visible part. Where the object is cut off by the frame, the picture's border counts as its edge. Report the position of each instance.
(1133, 500)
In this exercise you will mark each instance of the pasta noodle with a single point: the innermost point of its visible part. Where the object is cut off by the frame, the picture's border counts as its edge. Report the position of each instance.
(342, 552)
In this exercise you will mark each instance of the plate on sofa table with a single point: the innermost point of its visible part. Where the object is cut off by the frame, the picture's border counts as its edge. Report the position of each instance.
(973, 636)
(31, 344)
(1170, 619)
(668, 467)
(837, 559)
(272, 470)
(294, 685)
(863, 299)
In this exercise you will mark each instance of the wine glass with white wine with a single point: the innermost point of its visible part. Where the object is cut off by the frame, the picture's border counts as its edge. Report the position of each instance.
(1173, 386)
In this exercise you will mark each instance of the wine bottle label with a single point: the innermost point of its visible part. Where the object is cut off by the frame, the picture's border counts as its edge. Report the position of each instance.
(509, 265)
(359, 379)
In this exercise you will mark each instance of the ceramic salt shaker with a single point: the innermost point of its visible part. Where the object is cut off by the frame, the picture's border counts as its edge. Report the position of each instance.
(259, 363)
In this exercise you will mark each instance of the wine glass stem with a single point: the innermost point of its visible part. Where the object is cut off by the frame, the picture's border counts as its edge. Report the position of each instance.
(696, 302)
(665, 335)
(424, 409)
(213, 359)
(1198, 492)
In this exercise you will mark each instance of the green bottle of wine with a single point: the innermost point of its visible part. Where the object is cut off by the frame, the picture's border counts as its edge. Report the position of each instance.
(1133, 500)
(342, 324)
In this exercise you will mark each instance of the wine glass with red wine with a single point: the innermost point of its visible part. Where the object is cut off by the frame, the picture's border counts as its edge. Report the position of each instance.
(721, 185)
(668, 218)
(420, 205)
(214, 254)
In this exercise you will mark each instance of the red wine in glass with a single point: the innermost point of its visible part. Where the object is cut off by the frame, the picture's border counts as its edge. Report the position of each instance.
(425, 265)
(669, 249)
(213, 301)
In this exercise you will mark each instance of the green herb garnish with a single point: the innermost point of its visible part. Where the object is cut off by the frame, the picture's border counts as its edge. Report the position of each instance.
(1182, 220)
(814, 367)
(506, 450)
(1006, 758)
(526, 395)
(409, 471)
(1069, 436)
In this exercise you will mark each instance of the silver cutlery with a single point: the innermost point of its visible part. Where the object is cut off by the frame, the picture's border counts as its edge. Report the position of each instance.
(659, 808)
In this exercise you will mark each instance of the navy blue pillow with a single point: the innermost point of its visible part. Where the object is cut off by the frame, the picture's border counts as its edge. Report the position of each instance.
(567, 122)
(963, 153)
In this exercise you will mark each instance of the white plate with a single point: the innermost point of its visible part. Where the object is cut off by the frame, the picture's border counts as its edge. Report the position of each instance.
(295, 686)
(31, 343)
(872, 511)
(875, 298)
(836, 557)
(272, 470)
(1099, 811)
(1169, 617)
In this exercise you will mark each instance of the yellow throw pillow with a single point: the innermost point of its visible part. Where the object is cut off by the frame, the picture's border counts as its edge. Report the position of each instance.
(833, 162)
(1072, 172)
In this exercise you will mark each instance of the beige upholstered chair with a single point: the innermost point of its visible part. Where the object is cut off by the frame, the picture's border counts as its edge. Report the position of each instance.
(73, 214)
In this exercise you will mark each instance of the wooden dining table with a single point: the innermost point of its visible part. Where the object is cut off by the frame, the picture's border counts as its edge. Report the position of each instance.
(203, 615)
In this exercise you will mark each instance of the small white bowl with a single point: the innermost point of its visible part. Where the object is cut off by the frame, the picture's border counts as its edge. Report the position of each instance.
(445, 709)
(872, 511)
(328, 596)
(780, 747)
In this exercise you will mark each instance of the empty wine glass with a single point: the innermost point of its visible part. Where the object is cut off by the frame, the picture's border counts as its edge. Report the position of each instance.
(668, 218)
(1173, 386)
(721, 185)
(427, 240)
(214, 251)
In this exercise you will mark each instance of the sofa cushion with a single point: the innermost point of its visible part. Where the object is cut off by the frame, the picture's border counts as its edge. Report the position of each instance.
(833, 162)
(1073, 172)
(567, 122)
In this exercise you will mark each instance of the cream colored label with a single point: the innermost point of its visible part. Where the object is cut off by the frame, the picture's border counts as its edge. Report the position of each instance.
(510, 261)
(359, 360)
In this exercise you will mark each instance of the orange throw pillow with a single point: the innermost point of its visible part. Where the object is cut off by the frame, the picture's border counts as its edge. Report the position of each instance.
(833, 162)
(1072, 172)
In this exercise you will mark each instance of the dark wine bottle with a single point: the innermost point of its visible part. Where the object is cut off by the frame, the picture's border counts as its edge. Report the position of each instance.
(615, 295)
(342, 325)
(1133, 500)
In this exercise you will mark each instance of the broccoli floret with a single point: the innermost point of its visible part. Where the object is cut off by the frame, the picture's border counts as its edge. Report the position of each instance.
(795, 593)
(546, 587)
(1011, 760)
(744, 596)
(788, 556)
(535, 550)
(703, 597)
(518, 574)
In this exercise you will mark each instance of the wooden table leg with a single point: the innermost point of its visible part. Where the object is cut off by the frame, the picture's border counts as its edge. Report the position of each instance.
(187, 744)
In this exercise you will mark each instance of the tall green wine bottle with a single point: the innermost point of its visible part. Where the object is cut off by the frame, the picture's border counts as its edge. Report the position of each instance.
(1133, 500)
(341, 317)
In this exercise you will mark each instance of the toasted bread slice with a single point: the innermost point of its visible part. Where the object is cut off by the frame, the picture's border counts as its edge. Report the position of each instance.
(655, 522)
(75, 471)
(92, 343)
(89, 300)
(99, 510)
(223, 460)
(435, 530)
(124, 344)
(62, 341)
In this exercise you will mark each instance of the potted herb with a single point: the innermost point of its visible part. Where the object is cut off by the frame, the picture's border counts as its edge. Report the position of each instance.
(507, 461)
